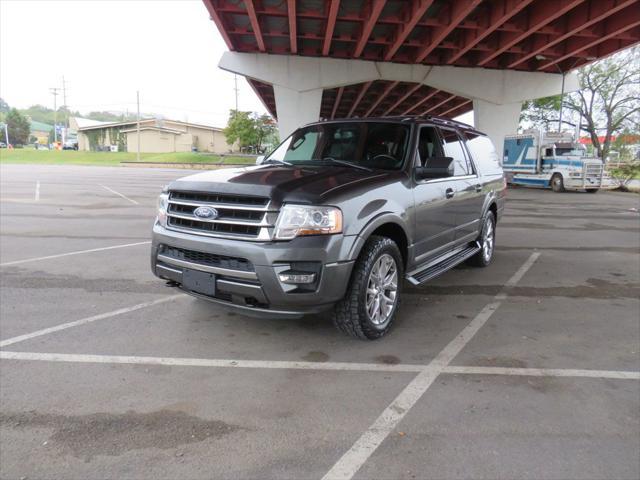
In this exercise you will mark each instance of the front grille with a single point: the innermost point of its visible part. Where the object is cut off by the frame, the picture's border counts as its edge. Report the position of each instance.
(203, 197)
(593, 170)
(244, 217)
(210, 259)
(223, 228)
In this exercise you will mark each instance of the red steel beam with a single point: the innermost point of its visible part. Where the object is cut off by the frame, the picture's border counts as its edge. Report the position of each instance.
(253, 18)
(363, 90)
(337, 102)
(331, 24)
(402, 99)
(540, 15)
(256, 90)
(436, 106)
(584, 17)
(421, 102)
(293, 30)
(376, 9)
(501, 12)
(386, 91)
(460, 105)
(217, 19)
(459, 12)
(613, 26)
(418, 9)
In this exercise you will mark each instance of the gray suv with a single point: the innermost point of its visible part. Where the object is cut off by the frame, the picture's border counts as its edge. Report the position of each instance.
(334, 219)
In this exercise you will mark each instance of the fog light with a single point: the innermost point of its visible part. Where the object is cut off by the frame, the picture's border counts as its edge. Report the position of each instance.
(296, 278)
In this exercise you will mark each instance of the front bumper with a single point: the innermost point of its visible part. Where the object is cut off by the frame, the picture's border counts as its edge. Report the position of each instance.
(257, 290)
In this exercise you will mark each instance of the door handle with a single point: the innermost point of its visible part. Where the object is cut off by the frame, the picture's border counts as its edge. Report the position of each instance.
(478, 188)
(449, 193)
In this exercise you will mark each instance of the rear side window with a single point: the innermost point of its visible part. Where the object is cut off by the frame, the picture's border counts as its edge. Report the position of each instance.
(484, 154)
(453, 148)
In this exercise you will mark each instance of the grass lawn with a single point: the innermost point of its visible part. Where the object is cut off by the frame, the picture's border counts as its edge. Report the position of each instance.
(71, 157)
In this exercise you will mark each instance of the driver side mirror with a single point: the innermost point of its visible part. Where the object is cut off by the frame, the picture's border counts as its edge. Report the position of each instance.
(436, 167)
(259, 159)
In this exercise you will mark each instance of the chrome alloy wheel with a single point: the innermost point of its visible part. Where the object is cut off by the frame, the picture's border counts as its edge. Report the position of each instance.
(488, 240)
(382, 289)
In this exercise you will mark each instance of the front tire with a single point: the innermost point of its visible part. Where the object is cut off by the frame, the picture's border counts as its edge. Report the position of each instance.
(369, 307)
(487, 242)
(557, 183)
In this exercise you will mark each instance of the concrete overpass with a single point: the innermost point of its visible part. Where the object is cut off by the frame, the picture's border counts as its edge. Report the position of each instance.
(310, 59)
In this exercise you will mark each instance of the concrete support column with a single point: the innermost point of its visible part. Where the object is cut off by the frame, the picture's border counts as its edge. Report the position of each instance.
(496, 120)
(296, 108)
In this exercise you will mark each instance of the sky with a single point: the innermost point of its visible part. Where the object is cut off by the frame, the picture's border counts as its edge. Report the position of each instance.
(109, 49)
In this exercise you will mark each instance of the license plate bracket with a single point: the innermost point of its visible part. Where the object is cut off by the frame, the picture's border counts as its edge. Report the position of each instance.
(199, 282)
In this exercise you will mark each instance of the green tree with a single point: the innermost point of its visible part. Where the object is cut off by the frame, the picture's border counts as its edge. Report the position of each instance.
(241, 128)
(607, 103)
(541, 112)
(266, 132)
(4, 106)
(18, 127)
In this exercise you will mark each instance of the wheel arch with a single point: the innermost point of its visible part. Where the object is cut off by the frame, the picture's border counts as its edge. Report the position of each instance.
(386, 225)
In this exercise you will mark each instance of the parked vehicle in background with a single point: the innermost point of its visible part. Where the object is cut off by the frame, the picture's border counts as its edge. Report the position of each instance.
(552, 160)
(70, 144)
(334, 219)
(3, 145)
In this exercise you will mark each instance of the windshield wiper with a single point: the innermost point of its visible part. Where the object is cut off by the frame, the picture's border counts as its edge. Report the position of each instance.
(275, 160)
(346, 164)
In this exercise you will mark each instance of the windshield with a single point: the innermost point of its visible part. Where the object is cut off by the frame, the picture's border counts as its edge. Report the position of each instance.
(570, 152)
(366, 144)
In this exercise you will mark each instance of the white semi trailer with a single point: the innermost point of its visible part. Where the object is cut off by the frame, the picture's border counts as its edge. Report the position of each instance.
(552, 160)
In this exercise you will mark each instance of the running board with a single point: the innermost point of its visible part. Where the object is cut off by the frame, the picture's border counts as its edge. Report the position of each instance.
(448, 263)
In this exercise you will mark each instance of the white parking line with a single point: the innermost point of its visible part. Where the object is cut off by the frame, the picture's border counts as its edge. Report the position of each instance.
(77, 252)
(37, 194)
(543, 372)
(84, 321)
(321, 366)
(372, 438)
(120, 195)
(206, 362)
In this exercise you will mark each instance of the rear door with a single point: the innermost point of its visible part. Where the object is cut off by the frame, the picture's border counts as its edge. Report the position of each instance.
(468, 197)
(434, 212)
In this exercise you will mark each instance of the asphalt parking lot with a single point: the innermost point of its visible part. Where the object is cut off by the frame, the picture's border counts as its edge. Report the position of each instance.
(527, 369)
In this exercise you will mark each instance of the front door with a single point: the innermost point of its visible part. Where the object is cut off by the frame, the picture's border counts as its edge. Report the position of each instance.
(434, 210)
(468, 198)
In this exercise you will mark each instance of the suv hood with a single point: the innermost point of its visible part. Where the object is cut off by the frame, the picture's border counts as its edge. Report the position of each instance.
(304, 184)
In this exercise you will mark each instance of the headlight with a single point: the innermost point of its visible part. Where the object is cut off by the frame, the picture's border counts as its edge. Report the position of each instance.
(297, 220)
(163, 205)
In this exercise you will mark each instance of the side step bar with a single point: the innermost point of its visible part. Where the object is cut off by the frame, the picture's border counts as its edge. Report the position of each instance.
(448, 263)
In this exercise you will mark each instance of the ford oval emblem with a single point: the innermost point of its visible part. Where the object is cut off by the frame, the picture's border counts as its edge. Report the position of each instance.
(206, 213)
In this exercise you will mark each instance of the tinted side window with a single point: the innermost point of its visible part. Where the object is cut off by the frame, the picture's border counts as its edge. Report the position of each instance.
(453, 148)
(428, 145)
(484, 154)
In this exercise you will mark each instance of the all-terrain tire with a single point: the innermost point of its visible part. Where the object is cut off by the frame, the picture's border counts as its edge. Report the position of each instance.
(557, 183)
(487, 241)
(350, 314)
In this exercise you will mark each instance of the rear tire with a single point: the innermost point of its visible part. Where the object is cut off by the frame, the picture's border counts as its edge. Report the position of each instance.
(377, 277)
(487, 240)
(557, 183)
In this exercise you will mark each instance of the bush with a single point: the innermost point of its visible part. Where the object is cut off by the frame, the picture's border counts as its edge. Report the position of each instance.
(625, 173)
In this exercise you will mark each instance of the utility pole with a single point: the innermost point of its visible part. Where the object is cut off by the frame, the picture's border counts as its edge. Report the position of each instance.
(138, 125)
(64, 99)
(54, 91)
(235, 79)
